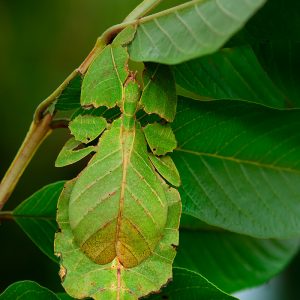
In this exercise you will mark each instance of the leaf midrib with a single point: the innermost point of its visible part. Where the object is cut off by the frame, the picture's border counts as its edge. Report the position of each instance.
(240, 161)
(170, 10)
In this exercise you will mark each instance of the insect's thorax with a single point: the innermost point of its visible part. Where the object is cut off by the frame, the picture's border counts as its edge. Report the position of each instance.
(130, 99)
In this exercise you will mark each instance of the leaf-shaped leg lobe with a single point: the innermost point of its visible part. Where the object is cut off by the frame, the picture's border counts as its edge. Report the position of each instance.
(118, 206)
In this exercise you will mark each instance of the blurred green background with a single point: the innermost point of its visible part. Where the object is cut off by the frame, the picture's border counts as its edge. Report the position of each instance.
(41, 42)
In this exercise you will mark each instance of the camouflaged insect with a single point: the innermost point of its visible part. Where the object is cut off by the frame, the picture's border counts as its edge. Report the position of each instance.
(119, 218)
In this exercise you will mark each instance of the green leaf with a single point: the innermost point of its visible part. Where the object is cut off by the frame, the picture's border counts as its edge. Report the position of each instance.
(232, 261)
(159, 94)
(71, 153)
(191, 285)
(86, 128)
(231, 73)
(70, 97)
(36, 217)
(160, 138)
(64, 296)
(82, 277)
(239, 166)
(190, 30)
(27, 290)
(277, 44)
(282, 63)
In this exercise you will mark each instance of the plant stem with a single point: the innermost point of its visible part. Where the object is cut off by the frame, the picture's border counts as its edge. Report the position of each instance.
(142, 9)
(37, 133)
(6, 215)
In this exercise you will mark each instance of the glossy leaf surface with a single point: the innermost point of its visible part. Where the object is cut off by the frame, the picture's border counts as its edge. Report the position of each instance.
(231, 73)
(70, 97)
(36, 217)
(193, 29)
(277, 50)
(239, 166)
(193, 285)
(27, 290)
(231, 261)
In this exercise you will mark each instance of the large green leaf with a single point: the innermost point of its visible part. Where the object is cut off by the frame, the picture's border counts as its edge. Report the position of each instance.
(190, 30)
(191, 285)
(281, 61)
(229, 260)
(27, 290)
(239, 165)
(36, 217)
(274, 33)
(70, 97)
(231, 73)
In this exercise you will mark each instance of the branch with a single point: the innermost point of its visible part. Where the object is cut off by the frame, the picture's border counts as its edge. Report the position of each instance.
(37, 133)
(142, 9)
(6, 215)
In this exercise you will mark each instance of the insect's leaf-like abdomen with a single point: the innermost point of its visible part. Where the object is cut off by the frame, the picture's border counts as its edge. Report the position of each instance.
(118, 206)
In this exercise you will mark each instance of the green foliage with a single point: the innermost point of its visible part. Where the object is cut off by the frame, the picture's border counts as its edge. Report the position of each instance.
(238, 167)
(27, 290)
(70, 97)
(193, 284)
(231, 73)
(36, 216)
(229, 260)
(194, 29)
(277, 49)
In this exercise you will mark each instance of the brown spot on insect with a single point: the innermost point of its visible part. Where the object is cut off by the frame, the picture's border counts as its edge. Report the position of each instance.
(112, 193)
(62, 272)
(174, 246)
(131, 77)
(88, 107)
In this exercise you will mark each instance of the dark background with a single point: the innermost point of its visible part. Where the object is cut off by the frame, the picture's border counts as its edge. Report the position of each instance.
(41, 42)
